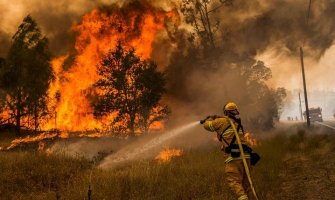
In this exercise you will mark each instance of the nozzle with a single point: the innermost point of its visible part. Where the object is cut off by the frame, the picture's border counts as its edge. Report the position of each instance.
(212, 116)
(204, 120)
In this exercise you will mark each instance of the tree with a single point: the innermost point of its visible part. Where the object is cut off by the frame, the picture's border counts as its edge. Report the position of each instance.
(212, 50)
(2, 63)
(197, 14)
(132, 88)
(2, 93)
(27, 73)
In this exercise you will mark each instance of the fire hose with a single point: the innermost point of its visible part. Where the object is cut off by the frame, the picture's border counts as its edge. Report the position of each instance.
(247, 171)
(246, 168)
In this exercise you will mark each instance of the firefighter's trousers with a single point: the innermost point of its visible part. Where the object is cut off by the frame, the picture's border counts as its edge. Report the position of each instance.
(238, 180)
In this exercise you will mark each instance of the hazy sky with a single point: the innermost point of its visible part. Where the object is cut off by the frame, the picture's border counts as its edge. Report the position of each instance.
(56, 18)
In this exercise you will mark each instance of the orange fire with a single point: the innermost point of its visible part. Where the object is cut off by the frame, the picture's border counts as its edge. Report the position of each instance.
(167, 154)
(30, 139)
(40, 139)
(98, 33)
(41, 146)
(64, 135)
(250, 140)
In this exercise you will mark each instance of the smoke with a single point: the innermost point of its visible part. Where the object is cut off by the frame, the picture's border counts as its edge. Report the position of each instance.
(90, 148)
(55, 18)
(271, 31)
(280, 25)
(250, 28)
(282, 28)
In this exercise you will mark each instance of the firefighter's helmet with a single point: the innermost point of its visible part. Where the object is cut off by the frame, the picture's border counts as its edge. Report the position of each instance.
(230, 106)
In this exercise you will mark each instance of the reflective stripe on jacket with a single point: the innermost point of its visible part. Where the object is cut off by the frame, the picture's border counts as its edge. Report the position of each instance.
(221, 124)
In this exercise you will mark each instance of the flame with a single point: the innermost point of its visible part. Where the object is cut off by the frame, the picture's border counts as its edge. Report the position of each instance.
(93, 135)
(156, 126)
(41, 146)
(167, 154)
(64, 135)
(48, 151)
(98, 33)
(30, 139)
(57, 66)
(250, 139)
(48, 135)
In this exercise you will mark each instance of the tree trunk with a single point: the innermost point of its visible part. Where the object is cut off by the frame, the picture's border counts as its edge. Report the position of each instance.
(18, 120)
(35, 118)
(132, 123)
(146, 116)
(18, 113)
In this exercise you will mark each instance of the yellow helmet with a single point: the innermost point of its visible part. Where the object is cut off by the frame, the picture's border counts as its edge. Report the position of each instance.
(230, 106)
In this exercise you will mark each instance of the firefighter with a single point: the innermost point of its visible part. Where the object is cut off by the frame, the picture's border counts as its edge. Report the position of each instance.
(234, 169)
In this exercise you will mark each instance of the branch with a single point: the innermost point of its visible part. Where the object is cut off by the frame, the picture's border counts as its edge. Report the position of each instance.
(13, 117)
(222, 4)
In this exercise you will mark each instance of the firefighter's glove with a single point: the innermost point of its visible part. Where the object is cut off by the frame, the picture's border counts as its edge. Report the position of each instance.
(204, 120)
(209, 117)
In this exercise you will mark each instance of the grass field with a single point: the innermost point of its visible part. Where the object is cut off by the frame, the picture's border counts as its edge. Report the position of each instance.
(197, 174)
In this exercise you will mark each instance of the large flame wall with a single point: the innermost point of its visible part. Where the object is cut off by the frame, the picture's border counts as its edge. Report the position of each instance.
(98, 33)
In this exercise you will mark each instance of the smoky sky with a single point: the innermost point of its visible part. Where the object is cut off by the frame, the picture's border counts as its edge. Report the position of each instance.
(248, 26)
(55, 19)
(246, 30)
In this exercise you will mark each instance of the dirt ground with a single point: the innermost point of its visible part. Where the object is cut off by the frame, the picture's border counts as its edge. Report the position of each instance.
(309, 172)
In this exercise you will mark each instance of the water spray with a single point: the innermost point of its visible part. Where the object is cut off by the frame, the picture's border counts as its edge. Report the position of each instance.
(132, 153)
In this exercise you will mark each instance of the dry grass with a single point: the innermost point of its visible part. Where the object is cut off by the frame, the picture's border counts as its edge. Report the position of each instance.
(198, 174)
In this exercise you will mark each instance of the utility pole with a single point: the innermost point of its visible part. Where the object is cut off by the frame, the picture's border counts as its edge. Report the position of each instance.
(301, 117)
(303, 69)
(305, 88)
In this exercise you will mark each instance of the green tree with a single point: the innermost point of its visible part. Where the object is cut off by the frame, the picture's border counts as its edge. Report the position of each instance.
(131, 87)
(27, 74)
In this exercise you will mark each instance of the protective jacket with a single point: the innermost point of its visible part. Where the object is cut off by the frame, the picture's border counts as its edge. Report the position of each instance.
(225, 133)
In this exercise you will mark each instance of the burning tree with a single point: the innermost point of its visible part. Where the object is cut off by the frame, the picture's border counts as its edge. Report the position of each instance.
(27, 74)
(2, 93)
(136, 23)
(132, 88)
